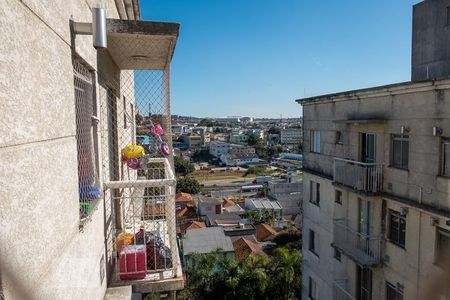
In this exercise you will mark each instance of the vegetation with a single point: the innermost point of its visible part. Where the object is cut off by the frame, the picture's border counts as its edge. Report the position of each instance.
(276, 277)
(188, 185)
(267, 152)
(255, 171)
(274, 130)
(257, 218)
(202, 156)
(183, 166)
(290, 238)
(253, 140)
(209, 123)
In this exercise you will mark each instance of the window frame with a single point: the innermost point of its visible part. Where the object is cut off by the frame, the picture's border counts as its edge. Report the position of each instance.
(338, 197)
(314, 193)
(438, 257)
(337, 254)
(402, 138)
(393, 288)
(315, 141)
(445, 142)
(312, 242)
(397, 240)
(313, 293)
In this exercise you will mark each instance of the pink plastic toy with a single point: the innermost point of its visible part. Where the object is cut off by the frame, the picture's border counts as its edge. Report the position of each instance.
(157, 130)
(134, 163)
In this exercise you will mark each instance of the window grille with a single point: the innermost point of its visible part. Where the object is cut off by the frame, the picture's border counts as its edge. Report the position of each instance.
(86, 131)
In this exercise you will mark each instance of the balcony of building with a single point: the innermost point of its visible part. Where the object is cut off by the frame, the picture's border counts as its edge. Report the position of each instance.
(341, 291)
(364, 249)
(359, 176)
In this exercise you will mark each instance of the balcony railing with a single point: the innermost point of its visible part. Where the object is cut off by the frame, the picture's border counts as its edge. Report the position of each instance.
(340, 290)
(364, 249)
(365, 177)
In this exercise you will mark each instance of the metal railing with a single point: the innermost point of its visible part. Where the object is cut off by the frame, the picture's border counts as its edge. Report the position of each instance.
(145, 245)
(364, 249)
(365, 177)
(340, 290)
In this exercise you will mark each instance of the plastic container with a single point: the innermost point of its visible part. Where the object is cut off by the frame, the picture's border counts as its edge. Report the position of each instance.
(133, 262)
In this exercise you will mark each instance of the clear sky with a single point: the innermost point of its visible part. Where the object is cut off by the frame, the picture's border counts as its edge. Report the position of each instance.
(255, 57)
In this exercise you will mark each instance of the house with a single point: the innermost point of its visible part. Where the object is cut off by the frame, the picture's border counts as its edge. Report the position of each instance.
(71, 120)
(182, 200)
(217, 148)
(207, 240)
(376, 202)
(265, 232)
(184, 218)
(231, 207)
(223, 219)
(193, 141)
(239, 159)
(263, 204)
(288, 192)
(244, 248)
(208, 205)
(191, 225)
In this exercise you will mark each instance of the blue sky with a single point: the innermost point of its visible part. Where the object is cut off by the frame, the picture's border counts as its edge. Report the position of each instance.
(255, 57)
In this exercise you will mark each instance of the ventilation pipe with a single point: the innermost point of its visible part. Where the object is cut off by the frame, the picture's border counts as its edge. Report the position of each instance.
(97, 28)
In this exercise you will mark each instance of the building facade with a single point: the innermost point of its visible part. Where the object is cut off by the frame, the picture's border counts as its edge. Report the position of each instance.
(377, 187)
(291, 136)
(69, 109)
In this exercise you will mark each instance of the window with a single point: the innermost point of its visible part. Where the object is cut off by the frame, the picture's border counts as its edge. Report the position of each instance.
(339, 137)
(337, 254)
(448, 16)
(314, 193)
(446, 158)
(400, 151)
(397, 228)
(364, 283)
(86, 137)
(338, 197)
(443, 247)
(315, 141)
(313, 289)
(392, 292)
(312, 242)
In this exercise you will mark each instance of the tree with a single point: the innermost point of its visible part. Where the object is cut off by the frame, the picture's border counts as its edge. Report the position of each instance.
(290, 238)
(183, 166)
(253, 140)
(188, 185)
(274, 130)
(211, 277)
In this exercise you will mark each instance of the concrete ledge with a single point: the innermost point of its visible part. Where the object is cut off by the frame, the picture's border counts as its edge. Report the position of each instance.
(118, 293)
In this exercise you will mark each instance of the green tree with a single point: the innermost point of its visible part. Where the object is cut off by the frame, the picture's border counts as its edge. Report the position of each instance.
(253, 140)
(274, 130)
(183, 166)
(188, 185)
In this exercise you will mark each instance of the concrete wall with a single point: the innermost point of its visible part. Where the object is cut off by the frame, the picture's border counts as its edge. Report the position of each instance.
(419, 107)
(430, 40)
(44, 255)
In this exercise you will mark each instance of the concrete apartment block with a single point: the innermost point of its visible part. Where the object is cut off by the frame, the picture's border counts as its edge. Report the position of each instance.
(47, 252)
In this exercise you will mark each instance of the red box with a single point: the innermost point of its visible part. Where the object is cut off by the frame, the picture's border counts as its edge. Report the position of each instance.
(133, 264)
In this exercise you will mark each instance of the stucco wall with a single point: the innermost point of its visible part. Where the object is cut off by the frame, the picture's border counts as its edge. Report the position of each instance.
(43, 253)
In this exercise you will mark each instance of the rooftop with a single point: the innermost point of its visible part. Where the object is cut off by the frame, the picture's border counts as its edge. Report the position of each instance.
(244, 248)
(206, 240)
(263, 203)
(264, 231)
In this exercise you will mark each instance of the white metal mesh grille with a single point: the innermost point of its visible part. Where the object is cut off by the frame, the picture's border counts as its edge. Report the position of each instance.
(85, 133)
(136, 155)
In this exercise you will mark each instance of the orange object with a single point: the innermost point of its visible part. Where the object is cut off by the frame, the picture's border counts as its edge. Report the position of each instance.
(123, 239)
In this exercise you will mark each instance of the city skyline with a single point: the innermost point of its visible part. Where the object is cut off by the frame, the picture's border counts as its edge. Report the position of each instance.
(224, 63)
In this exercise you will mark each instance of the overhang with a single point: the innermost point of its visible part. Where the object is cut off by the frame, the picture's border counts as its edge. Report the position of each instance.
(141, 45)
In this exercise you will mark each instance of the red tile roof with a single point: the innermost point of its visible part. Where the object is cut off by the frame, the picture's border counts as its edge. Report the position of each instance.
(264, 232)
(196, 225)
(228, 202)
(183, 197)
(244, 248)
(188, 212)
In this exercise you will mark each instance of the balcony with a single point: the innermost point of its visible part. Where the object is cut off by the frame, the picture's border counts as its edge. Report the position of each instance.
(340, 290)
(363, 177)
(145, 247)
(364, 249)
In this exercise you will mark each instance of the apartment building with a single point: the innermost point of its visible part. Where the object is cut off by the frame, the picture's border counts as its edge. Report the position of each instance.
(73, 94)
(377, 181)
(288, 192)
(291, 136)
